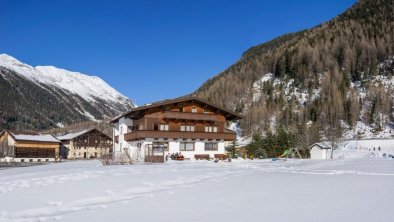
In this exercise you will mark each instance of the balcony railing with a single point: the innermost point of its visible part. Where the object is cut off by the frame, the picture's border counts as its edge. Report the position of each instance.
(189, 116)
(142, 134)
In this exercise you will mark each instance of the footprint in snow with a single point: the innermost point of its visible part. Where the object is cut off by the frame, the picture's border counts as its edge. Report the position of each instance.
(110, 192)
(148, 184)
(54, 203)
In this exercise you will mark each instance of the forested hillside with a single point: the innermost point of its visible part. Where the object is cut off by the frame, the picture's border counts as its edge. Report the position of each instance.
(339, 71)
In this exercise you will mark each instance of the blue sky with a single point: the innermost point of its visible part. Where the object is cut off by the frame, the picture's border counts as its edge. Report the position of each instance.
(151, 50)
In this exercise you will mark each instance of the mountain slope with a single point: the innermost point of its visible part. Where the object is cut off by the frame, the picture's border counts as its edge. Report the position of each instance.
(43, 97)
(341, 68)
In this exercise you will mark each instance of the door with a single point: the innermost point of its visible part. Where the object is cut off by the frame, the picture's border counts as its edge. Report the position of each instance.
(84, 155)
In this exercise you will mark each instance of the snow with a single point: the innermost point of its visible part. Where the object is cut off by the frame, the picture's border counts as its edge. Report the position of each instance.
(72, 135)
(40, 137)
(367, 132)
(290, 91)
(60, 125)
(295, 190)
(88, 87)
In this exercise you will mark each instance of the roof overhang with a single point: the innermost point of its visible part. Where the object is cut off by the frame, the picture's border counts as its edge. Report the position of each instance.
(230, 115)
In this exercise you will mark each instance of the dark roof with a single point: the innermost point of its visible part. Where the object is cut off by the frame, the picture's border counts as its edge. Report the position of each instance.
(232, 115)
(321, 145)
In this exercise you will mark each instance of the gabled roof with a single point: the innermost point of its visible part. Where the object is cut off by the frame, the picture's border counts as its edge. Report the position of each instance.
(231, 114)
(31, 136)
(321, 145)
(74, 134)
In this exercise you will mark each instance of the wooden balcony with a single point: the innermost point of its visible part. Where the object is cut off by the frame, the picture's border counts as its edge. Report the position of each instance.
(189, 116)
(142, 134)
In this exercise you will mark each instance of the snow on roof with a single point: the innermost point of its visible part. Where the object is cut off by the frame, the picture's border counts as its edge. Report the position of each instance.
(70, 136)
(39, 137)
(321, 145)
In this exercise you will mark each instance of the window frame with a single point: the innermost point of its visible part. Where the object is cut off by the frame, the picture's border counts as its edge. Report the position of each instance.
(211, 129)
(211, 148)
(184, 149)
(165, 126)
(166, 147)
(187, 128)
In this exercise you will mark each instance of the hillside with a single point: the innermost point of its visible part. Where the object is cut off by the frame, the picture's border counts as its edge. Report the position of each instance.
(44, 97)
(339, 70)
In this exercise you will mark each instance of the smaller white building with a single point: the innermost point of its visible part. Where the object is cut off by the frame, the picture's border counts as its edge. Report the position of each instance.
(320, 151)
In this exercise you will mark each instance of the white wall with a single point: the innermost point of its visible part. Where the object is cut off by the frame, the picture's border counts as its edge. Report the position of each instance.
(120, 128)
(318, 153)
(35, 160)
(199, 148)
(138, 153)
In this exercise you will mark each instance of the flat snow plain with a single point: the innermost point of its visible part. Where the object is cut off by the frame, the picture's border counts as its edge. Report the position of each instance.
(360, 189)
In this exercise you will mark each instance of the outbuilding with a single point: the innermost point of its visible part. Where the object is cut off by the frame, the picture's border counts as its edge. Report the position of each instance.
(28, 146)
(320, 151)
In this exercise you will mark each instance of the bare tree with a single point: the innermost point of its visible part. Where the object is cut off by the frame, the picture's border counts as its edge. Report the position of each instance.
(306, 135)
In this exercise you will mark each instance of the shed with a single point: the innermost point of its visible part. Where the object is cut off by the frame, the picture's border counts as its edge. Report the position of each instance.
(320, 151)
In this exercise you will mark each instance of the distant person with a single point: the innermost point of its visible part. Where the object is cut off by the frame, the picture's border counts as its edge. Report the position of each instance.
(379, 148)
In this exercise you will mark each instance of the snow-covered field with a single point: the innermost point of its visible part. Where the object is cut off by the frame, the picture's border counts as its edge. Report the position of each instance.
(360, 189)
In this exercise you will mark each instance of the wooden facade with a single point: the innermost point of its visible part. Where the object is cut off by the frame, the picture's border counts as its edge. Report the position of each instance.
(194, 113)
(22, 146)
(142, 134)
(85, 144)
(192, 126)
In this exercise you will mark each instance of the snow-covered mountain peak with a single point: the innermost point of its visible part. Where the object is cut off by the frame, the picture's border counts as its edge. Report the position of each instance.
(88, 87)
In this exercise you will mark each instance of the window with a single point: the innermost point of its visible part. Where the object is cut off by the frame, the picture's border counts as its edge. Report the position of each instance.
(163, 127)
(211, 146)
(210, 129)
(186, 146)
(189, 128)
(194, 109)
(137, 127)
(160, 146)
